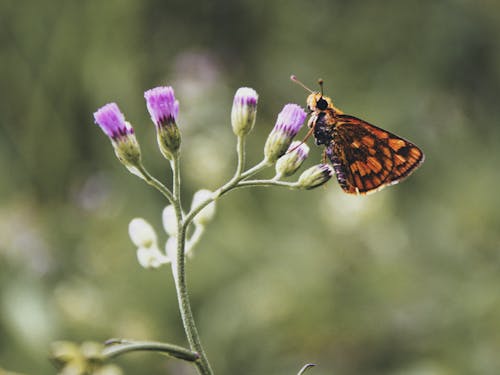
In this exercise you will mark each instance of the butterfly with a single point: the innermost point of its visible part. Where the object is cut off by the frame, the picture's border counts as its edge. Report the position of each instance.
(365, 158)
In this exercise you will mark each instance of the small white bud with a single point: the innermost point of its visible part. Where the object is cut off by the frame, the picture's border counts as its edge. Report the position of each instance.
(169, 220)
(142, 233)
(208, 212)
(151, 257)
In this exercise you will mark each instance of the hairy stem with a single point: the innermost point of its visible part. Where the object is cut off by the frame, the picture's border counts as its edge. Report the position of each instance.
(240, 150)
(179, 272)
(150, 180)
(234, 182)
(118, 347)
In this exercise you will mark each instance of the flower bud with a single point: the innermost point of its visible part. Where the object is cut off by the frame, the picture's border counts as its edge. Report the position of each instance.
(315, 176)
(151, 257)
(244, 110)
(289, 163)
(121, 134)
(142, 233)
(207, 213)
(287, 126)
(164, 108)
(169, 220)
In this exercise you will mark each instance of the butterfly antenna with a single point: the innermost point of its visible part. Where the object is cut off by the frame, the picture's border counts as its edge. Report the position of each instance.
(294, 79)
(320, 83)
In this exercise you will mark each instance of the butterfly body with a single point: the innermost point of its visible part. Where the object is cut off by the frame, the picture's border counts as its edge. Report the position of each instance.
(365, 158)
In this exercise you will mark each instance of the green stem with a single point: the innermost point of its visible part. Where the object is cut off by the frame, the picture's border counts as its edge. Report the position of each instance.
(176, 179)
(234, 182)
(185, 306)
(119, 347)
(250, 183)
(179, 272)
(150, 180)
(305, 368)
(240, 150)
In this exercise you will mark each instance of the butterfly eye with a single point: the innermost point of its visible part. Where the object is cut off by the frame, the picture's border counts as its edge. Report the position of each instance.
(322, 104)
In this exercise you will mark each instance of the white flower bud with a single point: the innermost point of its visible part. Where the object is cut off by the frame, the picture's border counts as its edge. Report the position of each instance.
(169, 220)
(208, 212)
(142, 233)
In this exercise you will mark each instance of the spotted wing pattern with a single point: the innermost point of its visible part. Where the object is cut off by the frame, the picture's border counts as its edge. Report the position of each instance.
(366, 158)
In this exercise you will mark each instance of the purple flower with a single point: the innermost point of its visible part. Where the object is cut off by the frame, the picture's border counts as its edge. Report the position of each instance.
(164, 109)
(290, 120)
(112, 122)
(244, 110)
(162, 105)
(288, 124)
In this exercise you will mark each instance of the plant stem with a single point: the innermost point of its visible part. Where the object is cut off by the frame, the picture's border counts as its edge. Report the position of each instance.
(179, 272)
(119, 347)
(240, 150)
(150, 180)
(176, 179)
(234, 182)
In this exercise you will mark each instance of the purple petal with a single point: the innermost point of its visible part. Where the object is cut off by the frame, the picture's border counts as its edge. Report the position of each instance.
(246, 96)
(290, 119)
(161, 104)
(112, 121)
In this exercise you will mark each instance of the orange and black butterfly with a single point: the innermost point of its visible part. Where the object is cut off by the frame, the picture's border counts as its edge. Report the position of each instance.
(364, 157)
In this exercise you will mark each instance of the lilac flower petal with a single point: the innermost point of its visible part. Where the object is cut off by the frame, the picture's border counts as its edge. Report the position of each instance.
(162, 105)
(290, 119)
(245, 96)
(112, 121)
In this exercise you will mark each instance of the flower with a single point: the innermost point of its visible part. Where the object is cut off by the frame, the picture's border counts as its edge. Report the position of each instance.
(288, 124)
(121, 133)
(289, 163)
(142, 233)
(144, 237)
(169, 220)
(207, 213)
(315, 176)
(244, 110)
(112, 122)
(164, 108)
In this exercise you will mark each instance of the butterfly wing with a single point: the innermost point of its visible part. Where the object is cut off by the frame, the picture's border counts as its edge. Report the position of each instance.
(366, 158)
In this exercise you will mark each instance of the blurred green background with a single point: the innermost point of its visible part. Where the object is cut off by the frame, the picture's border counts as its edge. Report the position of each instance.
(405, 281)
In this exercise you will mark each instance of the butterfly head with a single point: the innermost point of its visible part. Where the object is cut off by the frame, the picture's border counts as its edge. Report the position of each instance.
(318, 102)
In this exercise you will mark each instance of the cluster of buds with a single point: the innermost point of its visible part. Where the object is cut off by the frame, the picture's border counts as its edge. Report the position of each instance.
(279, 149)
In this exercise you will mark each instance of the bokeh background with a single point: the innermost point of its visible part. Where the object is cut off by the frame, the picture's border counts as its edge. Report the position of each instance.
(405, 281)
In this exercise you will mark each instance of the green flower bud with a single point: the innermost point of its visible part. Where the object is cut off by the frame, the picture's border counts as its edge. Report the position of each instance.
(121, 134)
(315, 176)
(289, 163)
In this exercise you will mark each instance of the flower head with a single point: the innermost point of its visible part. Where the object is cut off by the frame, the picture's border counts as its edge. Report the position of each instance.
(288, 124)
(112, 121)
(289, 163)
(244, 110)
(162, 105)
(164, 108)
(121, 133)
(315, 176)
